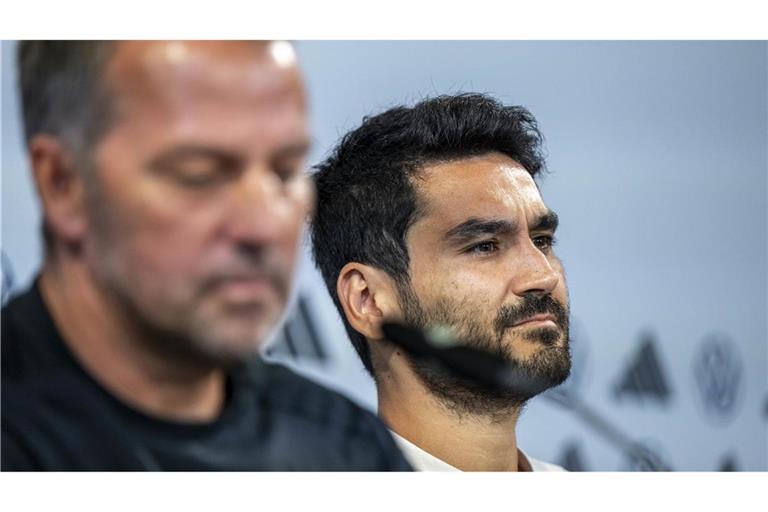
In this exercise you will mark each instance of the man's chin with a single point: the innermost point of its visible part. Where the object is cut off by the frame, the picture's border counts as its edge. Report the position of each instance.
(541, 356)
(228, 343)
(237, 325)
(547, 368)
(244, 341)
(222, 353)
(551, 364)
(543, 336)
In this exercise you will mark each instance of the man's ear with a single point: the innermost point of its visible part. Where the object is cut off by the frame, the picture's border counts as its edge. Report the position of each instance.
(368, 297)
(60, 186)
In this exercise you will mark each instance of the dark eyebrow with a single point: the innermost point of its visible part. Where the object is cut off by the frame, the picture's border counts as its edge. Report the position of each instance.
(474, 228)
(545, 222)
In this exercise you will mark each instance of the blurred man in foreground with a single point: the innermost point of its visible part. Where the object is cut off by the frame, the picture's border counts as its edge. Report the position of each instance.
(430, 216)
(171, 181)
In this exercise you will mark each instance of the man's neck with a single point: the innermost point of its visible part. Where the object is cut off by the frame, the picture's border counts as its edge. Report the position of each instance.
(108, 348)
(469, 442)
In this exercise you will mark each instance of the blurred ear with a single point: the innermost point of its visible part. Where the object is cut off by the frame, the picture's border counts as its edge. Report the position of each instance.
(60, 187)
(368, 297)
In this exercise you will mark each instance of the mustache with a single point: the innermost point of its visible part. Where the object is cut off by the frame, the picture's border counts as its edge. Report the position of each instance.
(530, 305)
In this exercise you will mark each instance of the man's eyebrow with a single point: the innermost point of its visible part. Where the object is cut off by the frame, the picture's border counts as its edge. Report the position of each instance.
(474, 228)
(296, 150)
(193, 151)
(189, 151)
(547, 221)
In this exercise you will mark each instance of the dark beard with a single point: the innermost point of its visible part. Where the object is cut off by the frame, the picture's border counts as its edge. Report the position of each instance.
(549, 367)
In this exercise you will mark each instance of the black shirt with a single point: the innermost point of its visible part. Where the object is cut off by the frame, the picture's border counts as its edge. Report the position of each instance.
(55, 416)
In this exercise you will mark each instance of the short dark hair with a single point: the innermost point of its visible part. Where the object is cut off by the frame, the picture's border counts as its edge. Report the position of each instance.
(366, 200)
(63, 92)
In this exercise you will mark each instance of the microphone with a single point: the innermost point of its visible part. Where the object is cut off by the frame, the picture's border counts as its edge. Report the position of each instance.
(440, 345)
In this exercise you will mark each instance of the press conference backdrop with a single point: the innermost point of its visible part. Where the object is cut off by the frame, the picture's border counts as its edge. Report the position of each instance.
(658, 158)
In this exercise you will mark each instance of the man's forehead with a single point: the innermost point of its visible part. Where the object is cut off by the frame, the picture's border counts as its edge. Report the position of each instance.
(169, 70)
(232, 94)
(481, 186)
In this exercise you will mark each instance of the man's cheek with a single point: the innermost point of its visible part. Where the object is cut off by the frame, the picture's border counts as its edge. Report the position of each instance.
(162, 272)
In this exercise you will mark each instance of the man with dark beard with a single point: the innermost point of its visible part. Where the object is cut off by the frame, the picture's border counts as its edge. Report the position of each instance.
(430, 216)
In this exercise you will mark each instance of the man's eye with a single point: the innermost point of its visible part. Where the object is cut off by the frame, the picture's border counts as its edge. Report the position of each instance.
(193, 174)
(286, 174)
(197, 178)
(486, 247)
(544, 243)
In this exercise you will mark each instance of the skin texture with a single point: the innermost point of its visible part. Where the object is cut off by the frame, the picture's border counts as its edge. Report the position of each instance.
(465, 281)
(174, 254)
(485, 272)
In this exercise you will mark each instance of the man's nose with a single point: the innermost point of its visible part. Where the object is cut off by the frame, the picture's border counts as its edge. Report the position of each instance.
(533, 272)
(259, 209)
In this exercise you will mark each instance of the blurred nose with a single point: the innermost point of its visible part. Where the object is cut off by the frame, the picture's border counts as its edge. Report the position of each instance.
(533, 272)
(259, 212)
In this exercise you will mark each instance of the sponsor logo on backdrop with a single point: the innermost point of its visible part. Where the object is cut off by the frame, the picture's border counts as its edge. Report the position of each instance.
(644, 378)
(728, 463)
(571, 456)
(299, 338)
(645, 456)
(717, 370)
(644, 367)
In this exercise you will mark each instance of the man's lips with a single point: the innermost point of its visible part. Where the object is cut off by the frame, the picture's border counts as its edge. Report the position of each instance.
(540, 320)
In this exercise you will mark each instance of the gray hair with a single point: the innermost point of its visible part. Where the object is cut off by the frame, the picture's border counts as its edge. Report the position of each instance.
(63, 92)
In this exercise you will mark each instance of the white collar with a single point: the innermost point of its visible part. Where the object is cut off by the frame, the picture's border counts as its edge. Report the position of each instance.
(422, 460)
(419, 459)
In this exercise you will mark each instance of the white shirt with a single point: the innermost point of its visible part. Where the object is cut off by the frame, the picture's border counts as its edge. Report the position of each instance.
(421, 460)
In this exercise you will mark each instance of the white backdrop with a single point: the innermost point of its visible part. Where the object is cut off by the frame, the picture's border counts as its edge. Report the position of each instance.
(658, 153)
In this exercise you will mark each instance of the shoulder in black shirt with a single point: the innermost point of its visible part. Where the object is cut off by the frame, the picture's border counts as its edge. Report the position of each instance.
(56, 417)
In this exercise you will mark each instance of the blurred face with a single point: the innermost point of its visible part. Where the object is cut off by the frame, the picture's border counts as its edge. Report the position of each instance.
(482, 262)
(198, 195)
